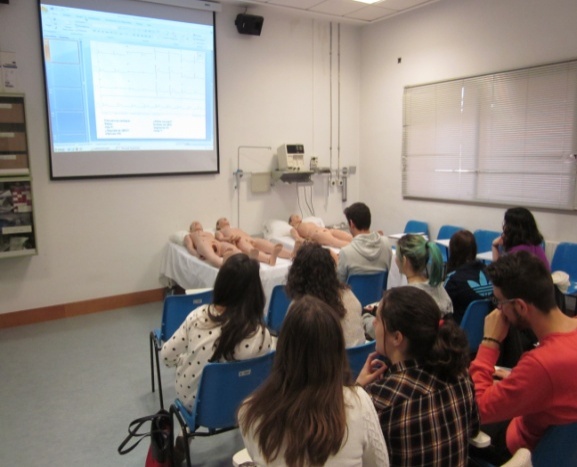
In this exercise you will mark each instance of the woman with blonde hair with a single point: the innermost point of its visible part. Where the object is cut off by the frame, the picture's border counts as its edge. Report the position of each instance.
(309, 412)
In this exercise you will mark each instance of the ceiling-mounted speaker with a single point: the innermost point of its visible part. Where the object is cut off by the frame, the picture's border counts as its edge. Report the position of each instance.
(249, 24)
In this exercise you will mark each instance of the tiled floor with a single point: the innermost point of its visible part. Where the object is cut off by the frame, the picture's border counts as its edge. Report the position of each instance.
(69, 389)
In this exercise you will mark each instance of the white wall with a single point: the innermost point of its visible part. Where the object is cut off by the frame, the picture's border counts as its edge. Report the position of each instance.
(98, 238)
(450, 39)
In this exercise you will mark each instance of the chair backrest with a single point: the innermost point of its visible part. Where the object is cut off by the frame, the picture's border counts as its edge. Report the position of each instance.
(484, 239)
(368, 288)
(358, 356)
(557, 447)
(565, 259)
(413, 226)
(177, 307)
(278, 306)
(222, 388)
(473, 322)
(447, 231)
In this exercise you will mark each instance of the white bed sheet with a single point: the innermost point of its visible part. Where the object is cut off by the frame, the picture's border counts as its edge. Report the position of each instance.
(178, 266)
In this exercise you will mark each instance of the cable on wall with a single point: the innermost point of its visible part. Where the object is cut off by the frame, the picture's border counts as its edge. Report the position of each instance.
(331, 99)
(339, 103)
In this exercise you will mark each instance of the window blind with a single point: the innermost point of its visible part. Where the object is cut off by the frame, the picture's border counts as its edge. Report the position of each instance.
(503, 138)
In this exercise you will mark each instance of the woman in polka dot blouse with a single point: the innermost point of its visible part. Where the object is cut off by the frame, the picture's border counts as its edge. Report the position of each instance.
(230, 328)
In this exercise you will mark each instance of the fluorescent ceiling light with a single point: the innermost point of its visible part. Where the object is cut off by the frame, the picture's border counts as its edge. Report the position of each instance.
(369, 2)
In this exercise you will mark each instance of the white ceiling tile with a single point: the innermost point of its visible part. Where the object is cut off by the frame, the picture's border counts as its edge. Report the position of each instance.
(337, 7)
(341, 9)
(371, 13)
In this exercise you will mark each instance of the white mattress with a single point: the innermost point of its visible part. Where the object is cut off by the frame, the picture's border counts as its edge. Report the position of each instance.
(178, 266)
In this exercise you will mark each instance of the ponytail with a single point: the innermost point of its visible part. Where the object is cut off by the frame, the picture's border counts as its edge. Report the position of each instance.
(449, 356)
(436, 262)
(440, 345)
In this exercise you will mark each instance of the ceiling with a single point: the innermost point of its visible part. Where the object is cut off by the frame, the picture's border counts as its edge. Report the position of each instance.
(340, 10)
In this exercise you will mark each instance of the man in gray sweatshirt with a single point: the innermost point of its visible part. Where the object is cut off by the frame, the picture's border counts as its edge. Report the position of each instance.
(368, 251)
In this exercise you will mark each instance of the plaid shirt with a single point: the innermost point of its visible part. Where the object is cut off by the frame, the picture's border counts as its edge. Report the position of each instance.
(426, 421)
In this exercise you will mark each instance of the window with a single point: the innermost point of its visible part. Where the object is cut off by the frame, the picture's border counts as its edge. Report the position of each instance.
(504, 138)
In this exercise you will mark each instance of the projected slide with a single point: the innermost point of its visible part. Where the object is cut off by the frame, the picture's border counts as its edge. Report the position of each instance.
(143, 92)
(119, 83)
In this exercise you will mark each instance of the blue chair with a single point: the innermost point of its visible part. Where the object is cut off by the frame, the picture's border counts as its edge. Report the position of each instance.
(358, 356)
(419, 227)
(175, 310)
(445, 233)
(368, 288)
(222, 388)
(565, 259)
(473, 322)
(557, 447)
(484, 239)
(277, 309)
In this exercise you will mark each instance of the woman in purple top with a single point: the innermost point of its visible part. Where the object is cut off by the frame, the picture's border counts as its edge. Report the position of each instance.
(520, 233)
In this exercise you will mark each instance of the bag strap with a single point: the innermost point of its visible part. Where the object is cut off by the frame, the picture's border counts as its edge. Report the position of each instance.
(134, 430)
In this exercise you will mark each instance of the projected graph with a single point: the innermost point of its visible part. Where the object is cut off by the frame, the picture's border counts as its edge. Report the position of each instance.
(148, 92)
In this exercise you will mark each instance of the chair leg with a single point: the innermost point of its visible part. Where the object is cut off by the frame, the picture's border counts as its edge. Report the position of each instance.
(151, 339)
(184, 434)
(157, 350)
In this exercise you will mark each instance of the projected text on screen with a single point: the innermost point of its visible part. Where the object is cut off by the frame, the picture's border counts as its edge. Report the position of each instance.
(127, 83)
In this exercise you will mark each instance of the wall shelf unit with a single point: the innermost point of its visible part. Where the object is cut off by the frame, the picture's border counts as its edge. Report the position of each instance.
(17, 228)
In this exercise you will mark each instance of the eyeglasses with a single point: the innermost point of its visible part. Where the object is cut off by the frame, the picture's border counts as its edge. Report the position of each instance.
(499, 304)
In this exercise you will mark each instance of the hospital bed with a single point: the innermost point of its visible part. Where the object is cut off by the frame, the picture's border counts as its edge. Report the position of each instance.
(179, 267)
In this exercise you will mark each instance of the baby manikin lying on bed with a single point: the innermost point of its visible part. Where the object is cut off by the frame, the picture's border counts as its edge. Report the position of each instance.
(205, 246)
(267, 251)
(302, 230)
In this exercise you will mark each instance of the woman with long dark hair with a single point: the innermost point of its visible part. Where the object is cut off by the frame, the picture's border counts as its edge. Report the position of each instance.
(314, 272)
(520, 233)
(230, 328)
(423, 394)
(309, 412)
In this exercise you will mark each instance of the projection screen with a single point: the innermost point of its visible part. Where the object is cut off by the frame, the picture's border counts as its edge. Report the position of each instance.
(130, 88)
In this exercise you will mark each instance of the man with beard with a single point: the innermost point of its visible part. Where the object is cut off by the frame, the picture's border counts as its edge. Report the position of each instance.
(540, 390)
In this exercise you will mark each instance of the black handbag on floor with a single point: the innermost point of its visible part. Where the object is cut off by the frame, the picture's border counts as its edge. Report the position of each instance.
(161, 438)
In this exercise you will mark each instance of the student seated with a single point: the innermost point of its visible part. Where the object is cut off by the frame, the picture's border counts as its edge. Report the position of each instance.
(520, 233)
(368, 251)
(423, 393)
(466, 280)
(541, 389)
(308, 411)
(313, 273)
(312, 232)
(230, 328)
(421, 261)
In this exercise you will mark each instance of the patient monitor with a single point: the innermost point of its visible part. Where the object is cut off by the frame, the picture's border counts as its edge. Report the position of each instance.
(291, 157)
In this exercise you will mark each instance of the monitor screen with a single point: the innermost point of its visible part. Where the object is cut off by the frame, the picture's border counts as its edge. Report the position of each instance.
(130, 88)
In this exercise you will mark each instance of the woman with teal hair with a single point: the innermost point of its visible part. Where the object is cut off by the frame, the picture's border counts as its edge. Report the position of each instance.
(422, 263)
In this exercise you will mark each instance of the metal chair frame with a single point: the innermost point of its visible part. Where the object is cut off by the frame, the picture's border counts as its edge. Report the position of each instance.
(174, 311)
